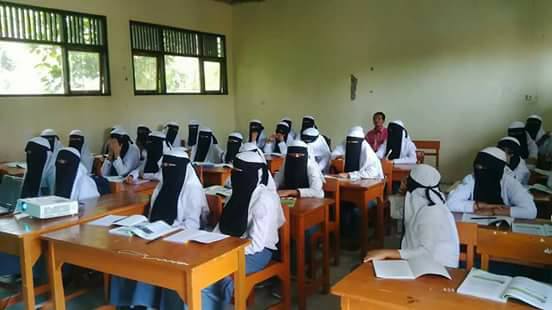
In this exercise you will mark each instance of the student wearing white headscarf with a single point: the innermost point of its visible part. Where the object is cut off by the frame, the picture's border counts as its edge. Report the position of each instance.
(516, 165)
(360, 160)
(253, 148)
(53, 138)
(142, 132)
(72, 180)
(534, 128)
(277, 142)
(300, 175)
(308, 122)
(123, 156)
(193, 132)
(292, 134)
(105, 149)
(150, 168)
(233, 145)
(528, 148)
(39, 168)
(206, 150)
(80, 143)
(257, 133)
(177, 200)
(399, 146)
(318, 146)
(430, 229)
(491, 191)
(172, 133)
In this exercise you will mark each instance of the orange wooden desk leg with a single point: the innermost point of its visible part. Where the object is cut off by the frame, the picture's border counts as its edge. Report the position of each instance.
(56, 280)
(300, 261)
(193, 294)
(484, 261)
(326, 250)
(380, 222)
(27, 282)
(240, 295)
(363, 229)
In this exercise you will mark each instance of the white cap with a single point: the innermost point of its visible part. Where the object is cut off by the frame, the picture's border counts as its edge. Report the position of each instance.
(205, 129)
(177, 152)
(193, 122)
(48, 132)
(495, 152)
(283, 124)
(248, 147)
(298, 143)
(250, 157)
(286, 119)
(70, 149)
(535, 116)
(118, 131)
(255, 121)
(356, 132)
(76, 132)
(172, 123)
(158, 134)
(309, 117)
(40, 141)
(516, 125)
(236, 135)
(425, 175)
(515, 140)
(311, 132)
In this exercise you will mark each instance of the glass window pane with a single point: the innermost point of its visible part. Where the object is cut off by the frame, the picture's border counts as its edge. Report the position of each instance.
(212, 75)
(84, 71)
(30, 69)
(145, 73)
(182, 74)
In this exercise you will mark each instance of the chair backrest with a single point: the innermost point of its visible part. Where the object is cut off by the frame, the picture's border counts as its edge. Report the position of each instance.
(337, 166)
(199, 172)
(387, 167)
(10, 190)
(431, 148)
(215, 207)
(467, 235)
(331, 190)
(420, 156)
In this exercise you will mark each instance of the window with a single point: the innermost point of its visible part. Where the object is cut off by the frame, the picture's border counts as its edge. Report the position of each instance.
(52, 52)
(168, 60)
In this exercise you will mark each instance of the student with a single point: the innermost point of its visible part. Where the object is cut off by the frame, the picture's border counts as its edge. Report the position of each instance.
(398, 147)
(123, 156)
(300, 175)
(172, 135)
(378, 135)
(150, 169)
(177, 200)
(233, 145)
(534, 128)
(360, 160)
(53, 138)
(105, 149)
(516, 165)
(193, 131)
(308, 122)
(206, 149)
(292, 135)
(251, 147)
(77, 141)
(256, 133)
(277, 143)
(490, 191)
(318, 146)
(39, 157)
(529, 149)
(71, 177)
(430, 229)
(252, 212)
(142, 132)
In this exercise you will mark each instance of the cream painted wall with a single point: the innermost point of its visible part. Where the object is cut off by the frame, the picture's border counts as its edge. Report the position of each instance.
(24, 117)
(543, 48)
(456, 71)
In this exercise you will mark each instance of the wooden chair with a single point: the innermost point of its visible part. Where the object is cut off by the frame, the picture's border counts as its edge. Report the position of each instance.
(430, 147)
(199, 172)
(420, 156)
(337, 166)
(387, 167)
(276, 268)
(467, 235)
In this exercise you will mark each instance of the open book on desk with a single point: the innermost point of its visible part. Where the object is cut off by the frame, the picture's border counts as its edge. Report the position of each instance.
(485, 220)
(200, 236)
(145, 230)
(409, 269)
(218, 190)
(499, 288)
(541, 188)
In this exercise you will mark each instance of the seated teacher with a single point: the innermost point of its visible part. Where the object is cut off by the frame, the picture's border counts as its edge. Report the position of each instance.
(378, 135)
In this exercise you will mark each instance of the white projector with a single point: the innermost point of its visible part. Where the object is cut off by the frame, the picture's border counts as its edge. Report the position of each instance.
(48, 207)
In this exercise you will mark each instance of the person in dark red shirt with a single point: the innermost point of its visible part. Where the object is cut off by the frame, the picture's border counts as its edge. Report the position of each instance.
(378, 135)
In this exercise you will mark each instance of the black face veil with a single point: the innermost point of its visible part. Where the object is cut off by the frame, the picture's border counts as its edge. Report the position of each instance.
(37, 157)
(488, 171)
(394, 141)
(67, 167)
(295, 171)
(353, 151)
(203, 145)
(165, 206)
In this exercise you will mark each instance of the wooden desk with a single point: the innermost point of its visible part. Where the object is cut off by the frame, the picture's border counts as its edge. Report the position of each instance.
(274, 163)
(22, 237)
(362, 290)
(401, 172)
(306, 213)
(215, 175)
(13, 171)
(360, 193)
(144, 188)
(186, 268)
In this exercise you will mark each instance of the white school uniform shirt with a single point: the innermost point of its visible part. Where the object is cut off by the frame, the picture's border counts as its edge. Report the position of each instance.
(370, 165)
(408, 151)
(270, 146)
(316, 180)
(429, 230)
(532, 147)
(84, 186)
(514, 195)
(264, 218)
(321, 152)
(125, 165)
(192, 210)
(214, 154)
(521, 173)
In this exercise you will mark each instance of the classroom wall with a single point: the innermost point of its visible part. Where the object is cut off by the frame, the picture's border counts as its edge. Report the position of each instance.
(543, 54)
(24, 117)
(457, 71)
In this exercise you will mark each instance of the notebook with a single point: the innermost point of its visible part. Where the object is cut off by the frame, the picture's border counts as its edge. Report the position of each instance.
(200, 236)
(409, 269)
(145, 230)
(499, 288)
(218, 190)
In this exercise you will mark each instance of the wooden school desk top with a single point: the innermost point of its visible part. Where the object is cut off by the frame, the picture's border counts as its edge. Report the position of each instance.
(215, 175)
(89, 210)
(401, 171)
(358, 184)
(362, 290)
(145, 188)
(13, 171)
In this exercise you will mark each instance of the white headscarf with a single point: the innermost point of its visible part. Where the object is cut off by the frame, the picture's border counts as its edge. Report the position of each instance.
(84, 186)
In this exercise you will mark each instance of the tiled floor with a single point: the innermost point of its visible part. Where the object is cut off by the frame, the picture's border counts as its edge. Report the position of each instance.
(94, 298)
